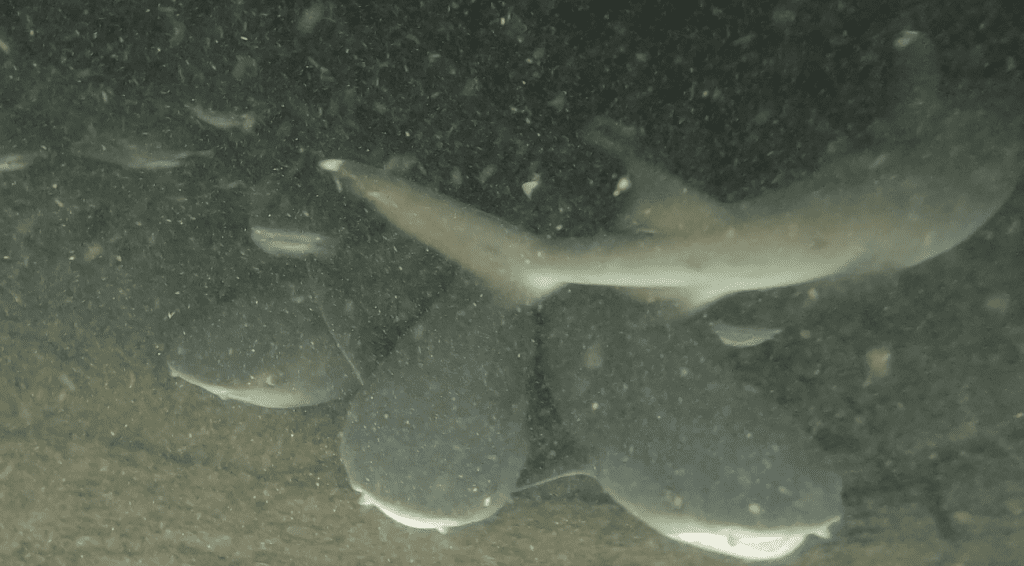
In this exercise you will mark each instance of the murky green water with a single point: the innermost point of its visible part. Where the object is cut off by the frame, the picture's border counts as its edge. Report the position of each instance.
(911, 383)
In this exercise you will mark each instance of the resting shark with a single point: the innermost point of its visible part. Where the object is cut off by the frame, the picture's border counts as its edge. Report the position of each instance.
(934, 174)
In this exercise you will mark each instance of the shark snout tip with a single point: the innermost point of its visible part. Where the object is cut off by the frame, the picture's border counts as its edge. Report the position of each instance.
(331, 165)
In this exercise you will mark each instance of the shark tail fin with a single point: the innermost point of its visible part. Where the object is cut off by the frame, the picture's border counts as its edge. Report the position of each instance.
(682, 301)
(913, 88)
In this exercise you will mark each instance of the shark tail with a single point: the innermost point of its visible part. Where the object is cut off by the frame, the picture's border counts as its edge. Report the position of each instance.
(913, 96)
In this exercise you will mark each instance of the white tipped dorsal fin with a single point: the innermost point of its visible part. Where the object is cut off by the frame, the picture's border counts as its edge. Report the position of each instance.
(660, 202)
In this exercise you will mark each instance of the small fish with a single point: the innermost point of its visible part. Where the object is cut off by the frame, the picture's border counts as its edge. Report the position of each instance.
(143, 156)
(282, 242)
(243, 122)
(19, 161)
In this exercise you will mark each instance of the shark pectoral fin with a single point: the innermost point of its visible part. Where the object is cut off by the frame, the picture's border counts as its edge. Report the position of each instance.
(742, 336)
(570, 461)
(510, 261)
(684, 300)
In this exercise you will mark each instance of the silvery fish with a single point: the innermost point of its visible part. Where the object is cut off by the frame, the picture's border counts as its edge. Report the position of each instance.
(285, 242)
(145, 156)
(243, 122)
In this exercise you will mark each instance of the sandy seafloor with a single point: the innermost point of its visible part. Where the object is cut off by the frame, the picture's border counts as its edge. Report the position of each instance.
(106, 459)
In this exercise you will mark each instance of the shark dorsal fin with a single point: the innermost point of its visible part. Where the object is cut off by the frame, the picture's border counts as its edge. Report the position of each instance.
(663, 203)
(659, 202)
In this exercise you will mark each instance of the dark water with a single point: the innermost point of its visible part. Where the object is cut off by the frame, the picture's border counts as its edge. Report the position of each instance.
(911, 383)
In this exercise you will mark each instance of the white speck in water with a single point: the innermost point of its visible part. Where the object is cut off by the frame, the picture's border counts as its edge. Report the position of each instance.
(531, 185)
(622, 186)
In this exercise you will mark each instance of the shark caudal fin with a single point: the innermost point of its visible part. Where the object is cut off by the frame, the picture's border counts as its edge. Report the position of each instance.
(913, 90)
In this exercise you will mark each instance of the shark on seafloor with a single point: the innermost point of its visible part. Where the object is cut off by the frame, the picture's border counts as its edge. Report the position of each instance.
(935, 173)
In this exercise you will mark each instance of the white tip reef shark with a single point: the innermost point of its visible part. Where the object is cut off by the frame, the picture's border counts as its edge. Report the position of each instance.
(934, 174)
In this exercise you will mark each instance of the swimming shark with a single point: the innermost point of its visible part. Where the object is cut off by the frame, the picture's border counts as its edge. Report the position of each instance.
(935, 172)
(659, 421)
